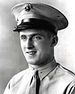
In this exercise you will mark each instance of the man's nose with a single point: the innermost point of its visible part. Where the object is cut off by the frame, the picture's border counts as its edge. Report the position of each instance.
(29, 44)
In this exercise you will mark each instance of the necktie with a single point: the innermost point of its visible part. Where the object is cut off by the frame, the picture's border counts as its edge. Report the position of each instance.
(34, 84)
(37, 82)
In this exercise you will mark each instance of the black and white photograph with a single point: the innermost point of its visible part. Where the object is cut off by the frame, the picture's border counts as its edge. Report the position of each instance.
(37, 47)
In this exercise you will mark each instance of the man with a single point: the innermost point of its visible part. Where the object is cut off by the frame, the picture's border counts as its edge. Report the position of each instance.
(37, 25)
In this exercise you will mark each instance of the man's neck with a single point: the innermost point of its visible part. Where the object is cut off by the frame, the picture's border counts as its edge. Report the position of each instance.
(52, 64)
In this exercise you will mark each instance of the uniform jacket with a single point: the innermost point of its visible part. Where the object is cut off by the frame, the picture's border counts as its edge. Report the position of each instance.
(58, 81)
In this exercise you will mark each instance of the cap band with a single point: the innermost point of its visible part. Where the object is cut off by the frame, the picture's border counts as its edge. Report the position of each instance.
(35, 24)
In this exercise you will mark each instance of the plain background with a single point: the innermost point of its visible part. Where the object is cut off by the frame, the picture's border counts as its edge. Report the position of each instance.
(12, 60)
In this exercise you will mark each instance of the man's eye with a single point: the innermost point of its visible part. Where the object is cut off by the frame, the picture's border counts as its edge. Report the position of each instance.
(23, 37)
(38, 37)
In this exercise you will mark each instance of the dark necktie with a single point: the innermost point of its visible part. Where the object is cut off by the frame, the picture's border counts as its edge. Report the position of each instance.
(34, 84)
(37, 82)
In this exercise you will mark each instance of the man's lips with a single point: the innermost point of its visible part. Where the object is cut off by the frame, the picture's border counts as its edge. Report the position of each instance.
(31, 52)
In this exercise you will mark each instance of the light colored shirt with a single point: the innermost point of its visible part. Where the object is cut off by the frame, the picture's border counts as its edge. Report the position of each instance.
(58, 81)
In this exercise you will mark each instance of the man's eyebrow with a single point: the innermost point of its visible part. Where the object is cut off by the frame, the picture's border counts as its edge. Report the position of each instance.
(32, 35)
(37, 34)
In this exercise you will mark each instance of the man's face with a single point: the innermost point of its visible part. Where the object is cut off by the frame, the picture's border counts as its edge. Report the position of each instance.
(36, 46)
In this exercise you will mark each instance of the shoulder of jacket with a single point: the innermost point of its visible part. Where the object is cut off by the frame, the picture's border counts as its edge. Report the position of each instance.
(18, 77)
(65, 74)
(67, 71)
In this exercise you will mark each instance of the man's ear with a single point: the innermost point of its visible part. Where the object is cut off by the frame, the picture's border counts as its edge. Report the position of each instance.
(54, 40)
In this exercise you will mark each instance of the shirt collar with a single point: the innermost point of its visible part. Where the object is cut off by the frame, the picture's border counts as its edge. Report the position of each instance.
(45, 70)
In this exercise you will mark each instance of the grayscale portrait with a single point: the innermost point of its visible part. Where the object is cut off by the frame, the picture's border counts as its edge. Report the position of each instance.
(37, 48)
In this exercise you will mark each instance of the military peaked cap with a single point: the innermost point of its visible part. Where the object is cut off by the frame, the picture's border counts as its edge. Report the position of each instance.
(38, 14)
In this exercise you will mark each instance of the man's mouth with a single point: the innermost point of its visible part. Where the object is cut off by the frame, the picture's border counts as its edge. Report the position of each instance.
(31, 52)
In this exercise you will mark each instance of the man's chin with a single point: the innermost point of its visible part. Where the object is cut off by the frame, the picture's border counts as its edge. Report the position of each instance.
(32, 62)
